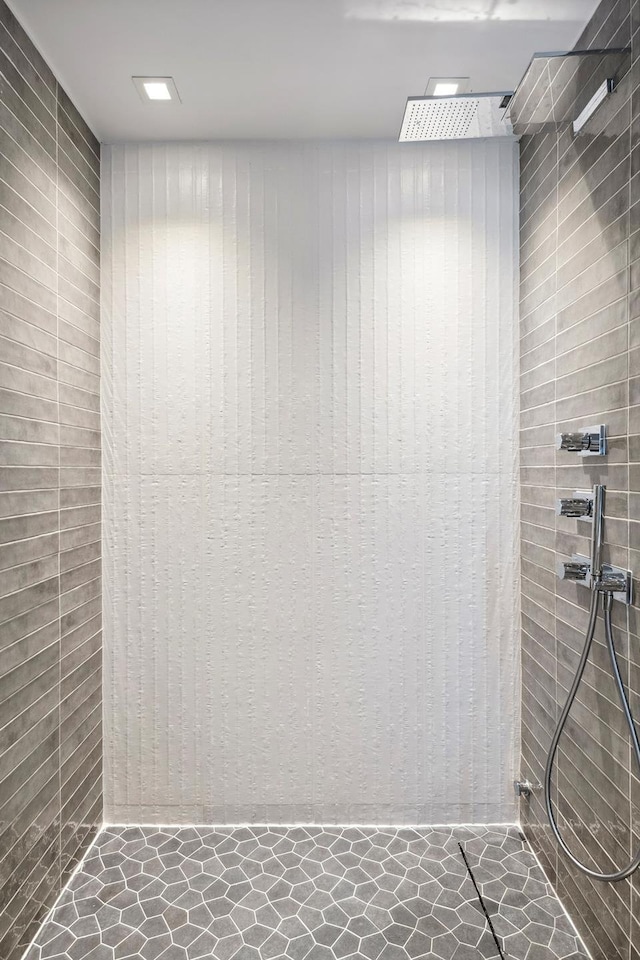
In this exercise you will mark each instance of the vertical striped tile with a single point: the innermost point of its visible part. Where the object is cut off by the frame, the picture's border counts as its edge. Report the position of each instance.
(310, 456)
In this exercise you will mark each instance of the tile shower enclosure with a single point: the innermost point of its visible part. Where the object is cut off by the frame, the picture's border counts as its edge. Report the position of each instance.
(310, 468)
(308, 353)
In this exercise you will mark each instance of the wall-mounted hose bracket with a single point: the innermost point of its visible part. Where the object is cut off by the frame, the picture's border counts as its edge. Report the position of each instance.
(613, 580)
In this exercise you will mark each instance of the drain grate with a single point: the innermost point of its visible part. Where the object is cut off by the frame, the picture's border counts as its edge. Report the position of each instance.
(496, 939)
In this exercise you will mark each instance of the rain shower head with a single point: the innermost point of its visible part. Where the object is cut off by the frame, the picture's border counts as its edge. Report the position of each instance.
(461, 117)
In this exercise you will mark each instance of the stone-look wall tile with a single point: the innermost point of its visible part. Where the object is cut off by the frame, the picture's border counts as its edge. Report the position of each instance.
(584, 226)
(50, 638)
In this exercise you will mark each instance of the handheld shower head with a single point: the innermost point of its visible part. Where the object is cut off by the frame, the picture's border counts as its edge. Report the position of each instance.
(597, 532)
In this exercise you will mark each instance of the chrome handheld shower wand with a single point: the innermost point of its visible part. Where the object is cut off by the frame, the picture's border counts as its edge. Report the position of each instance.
(597, 532)
(607, 582)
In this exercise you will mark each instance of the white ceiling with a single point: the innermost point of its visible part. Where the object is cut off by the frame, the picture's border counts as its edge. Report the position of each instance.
(284, 68)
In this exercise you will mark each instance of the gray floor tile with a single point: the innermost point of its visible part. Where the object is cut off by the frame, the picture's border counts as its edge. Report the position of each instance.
(526, 915)
(260, 893)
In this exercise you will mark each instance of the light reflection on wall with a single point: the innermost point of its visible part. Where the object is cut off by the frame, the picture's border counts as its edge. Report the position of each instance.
(299, 339)
(453, 11)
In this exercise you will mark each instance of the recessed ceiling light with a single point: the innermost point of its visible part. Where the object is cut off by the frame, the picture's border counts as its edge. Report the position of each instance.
(156, 88)
(160, 91)
(445, 89)
(447, 86)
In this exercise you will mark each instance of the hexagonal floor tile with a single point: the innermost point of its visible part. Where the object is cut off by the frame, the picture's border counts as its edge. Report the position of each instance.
(526, 915)
(303, 893)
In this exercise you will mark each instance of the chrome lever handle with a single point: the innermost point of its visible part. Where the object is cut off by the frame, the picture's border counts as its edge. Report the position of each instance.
(579, 506)
(576, 569)
(574, 442)
(587, 442)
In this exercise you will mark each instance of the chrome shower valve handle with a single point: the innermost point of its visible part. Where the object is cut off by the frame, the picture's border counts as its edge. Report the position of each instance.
(615, 581)
(586, 442)
(579, 506)
(575, 442)
(577, 569)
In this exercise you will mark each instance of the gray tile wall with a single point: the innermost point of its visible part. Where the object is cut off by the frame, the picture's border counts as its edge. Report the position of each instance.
(50, 593)
(580, 364)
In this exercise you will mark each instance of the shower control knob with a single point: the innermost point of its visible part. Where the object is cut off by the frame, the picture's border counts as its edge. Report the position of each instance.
(573, 442)
(587, 442)
(576, 569)
(580, 506)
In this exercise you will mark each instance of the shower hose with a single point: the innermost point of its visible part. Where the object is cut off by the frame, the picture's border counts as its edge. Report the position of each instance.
(593, 616)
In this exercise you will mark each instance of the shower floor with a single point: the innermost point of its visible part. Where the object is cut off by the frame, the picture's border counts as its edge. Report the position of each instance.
(308, 893)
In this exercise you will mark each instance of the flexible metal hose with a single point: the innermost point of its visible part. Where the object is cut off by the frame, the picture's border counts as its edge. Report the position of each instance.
(593, 616)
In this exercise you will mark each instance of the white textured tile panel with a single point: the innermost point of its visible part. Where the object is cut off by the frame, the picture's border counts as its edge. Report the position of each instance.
(310, 467)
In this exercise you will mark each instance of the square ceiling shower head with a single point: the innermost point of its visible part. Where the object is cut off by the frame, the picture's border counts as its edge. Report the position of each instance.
(462, 117)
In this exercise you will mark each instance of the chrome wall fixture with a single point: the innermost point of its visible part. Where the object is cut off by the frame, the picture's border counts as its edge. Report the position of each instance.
(558, 91)
(606, 583)
(563, 90)
(576, 569)
(590, 571)
(614, 580)
(522, 788)
(586, 442)
(579, 506)
(606, 87)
